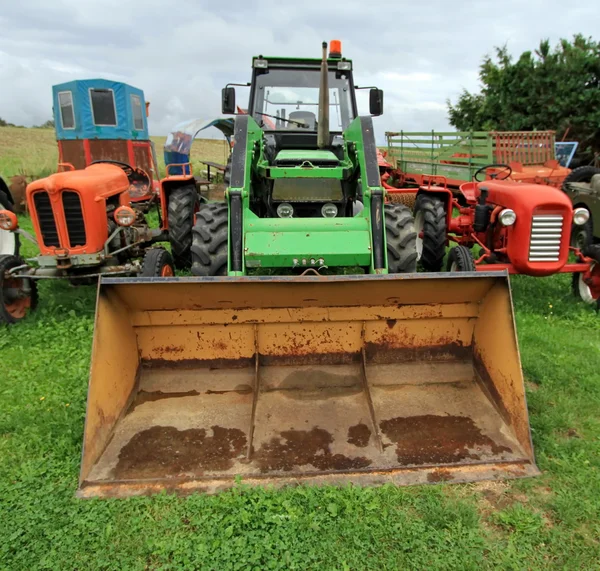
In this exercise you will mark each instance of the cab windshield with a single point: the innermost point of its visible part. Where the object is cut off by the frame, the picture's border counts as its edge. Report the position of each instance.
(288, 100)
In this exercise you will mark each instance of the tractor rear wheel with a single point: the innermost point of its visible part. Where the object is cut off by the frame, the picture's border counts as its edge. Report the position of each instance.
(210, 244)
(401, 239)
(18, 296)
(9, 241)
(431, 228)
(183, 206)
(158, 263)
(460, 260)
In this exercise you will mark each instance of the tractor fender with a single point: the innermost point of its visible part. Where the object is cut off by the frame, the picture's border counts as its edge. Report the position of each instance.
(167, 186)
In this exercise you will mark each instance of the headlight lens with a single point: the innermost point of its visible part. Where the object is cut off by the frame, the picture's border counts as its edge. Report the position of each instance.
(329, 210)
(507, 217)
(581, 216)
(124, 216)
(285, 210)
(8, 220)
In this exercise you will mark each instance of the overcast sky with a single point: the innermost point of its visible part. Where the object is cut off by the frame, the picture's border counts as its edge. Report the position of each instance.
(181, 53)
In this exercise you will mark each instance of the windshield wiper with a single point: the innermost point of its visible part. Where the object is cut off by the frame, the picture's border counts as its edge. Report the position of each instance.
(303, 125)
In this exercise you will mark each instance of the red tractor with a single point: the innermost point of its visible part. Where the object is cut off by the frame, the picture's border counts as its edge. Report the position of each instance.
(521, 227)
(84, 227)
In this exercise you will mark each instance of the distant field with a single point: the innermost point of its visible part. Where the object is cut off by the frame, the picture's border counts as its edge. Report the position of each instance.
(34, 153)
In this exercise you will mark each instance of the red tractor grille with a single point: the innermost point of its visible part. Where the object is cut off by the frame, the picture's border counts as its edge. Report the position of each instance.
(546, 237)
(74, 218)
(45, 217)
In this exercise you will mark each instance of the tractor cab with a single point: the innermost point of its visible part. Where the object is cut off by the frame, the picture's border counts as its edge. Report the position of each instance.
(305, 109)
(99, 120)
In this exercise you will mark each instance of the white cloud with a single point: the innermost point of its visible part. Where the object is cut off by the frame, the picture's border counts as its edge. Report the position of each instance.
(181, 54)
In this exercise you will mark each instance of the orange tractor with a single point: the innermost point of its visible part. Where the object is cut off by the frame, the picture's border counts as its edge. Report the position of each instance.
(84, 227)
(519, 227)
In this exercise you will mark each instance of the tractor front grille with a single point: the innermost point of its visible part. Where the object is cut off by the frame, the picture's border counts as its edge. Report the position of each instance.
(74, 218)
(546, 237)
(45, 216)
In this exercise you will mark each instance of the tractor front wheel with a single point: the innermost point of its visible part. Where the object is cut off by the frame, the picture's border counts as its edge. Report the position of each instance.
(9, 241)
(210, 243)
(431, 228)
(183, 206)
(401, 239)
(581, 289)
(460, 260)
(158, 263)
(18, 296)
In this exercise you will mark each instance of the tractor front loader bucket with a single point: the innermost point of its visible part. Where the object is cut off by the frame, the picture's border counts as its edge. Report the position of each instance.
(368, 379)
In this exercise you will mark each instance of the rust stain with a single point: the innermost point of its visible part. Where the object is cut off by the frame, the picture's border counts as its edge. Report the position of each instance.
(430, 439)
(164, 451)
(440, 475)
(151, 396)
(169, 349)
(295, 448)
(240, 390)
(359, 435)
(387, 351)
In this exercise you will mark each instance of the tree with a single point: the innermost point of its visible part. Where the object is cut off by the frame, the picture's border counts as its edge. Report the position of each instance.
(548, 89)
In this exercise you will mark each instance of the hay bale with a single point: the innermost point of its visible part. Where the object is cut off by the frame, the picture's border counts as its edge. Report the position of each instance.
(406, 198)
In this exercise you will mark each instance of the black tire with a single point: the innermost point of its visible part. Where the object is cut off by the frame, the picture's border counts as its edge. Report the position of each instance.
(157, 263)
(210, 245)
(10, 314)
(183, 205)
(460, 260)
(580, 174)
(430, 219)
(10, 243)
(582, 236)
(401, 239)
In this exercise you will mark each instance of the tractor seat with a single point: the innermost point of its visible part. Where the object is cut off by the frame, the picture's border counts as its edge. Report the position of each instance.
(306, 117)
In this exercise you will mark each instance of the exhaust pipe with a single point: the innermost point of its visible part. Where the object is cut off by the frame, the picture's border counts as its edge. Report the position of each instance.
(323, 127)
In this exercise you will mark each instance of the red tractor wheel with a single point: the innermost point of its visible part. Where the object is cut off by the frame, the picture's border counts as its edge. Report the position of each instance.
(460, 260)
(18, 296)
(158, 263)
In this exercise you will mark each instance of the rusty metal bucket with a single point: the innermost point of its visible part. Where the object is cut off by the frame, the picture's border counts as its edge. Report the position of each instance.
(368, 379)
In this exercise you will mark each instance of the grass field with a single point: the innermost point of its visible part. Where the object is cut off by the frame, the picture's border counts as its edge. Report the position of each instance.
(552, 521)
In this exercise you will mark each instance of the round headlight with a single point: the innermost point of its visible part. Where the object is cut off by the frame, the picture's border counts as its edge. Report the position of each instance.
(329, 210)
(507, 217)
(8, 220)
(124, 216)
(581, 216)
(285, 210)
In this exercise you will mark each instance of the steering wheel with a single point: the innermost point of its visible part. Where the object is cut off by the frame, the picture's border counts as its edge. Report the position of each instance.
(138, 178)
(505, 170)
(128, 169)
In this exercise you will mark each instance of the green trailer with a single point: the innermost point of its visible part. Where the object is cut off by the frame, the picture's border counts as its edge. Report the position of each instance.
(456, 156)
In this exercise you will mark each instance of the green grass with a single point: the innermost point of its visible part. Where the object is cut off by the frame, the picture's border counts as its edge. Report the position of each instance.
(550, 521)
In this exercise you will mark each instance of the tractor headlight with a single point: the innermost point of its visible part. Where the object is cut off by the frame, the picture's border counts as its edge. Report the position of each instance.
(507, 217)
(124, 216)
(8, 220)
(581, 216)
(329, 210)
(285, 210)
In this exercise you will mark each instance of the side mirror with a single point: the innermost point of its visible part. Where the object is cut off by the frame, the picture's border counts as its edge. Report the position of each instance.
(376, 102)
(228, 100)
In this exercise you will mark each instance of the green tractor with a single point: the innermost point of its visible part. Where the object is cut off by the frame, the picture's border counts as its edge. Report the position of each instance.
(304, 188)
